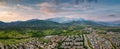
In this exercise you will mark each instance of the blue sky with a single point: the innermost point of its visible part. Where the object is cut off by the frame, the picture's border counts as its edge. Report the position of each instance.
(21, 10)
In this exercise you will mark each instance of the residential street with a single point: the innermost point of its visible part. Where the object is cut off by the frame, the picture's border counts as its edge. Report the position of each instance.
(86, 43)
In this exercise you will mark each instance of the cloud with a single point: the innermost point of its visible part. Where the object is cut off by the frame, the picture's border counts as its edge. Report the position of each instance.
(45, 10)
(96, 12)
(18, 0)
(2, 3)
(19, 6)
(8, 16)
(45, 4)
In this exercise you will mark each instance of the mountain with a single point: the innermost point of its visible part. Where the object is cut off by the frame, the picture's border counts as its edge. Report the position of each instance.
(116, 22)
(2, 23)
(65, 19)
(93, 23)
(38, 23)
(34, 23)
(79, 21)
(53, 23)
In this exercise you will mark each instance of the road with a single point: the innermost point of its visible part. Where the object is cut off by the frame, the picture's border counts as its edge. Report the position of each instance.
(86, 43)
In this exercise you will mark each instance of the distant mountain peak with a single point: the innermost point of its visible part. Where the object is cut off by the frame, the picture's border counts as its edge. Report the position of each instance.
(65, 19)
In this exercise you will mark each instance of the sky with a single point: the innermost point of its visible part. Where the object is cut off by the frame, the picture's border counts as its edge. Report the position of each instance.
(97, 10)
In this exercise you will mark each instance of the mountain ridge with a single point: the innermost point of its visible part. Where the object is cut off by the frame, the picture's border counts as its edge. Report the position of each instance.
(52, 22)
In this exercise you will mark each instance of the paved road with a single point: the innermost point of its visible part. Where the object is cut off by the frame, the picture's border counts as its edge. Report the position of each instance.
(86, 43)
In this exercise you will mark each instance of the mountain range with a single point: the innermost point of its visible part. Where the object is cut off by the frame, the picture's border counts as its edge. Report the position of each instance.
(59, 21)
(83, 21)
